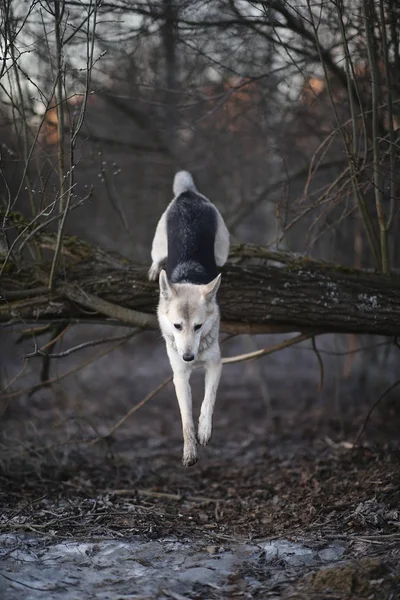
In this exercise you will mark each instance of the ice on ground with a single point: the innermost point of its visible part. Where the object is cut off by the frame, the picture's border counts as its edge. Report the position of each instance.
(32, 568)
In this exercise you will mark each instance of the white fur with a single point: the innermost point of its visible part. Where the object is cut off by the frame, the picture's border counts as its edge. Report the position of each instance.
(183, 182)
(187, 305)
(202, 344)
(221, 245)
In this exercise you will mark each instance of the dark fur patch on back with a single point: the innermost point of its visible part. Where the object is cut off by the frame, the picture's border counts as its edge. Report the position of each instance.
(191, 230)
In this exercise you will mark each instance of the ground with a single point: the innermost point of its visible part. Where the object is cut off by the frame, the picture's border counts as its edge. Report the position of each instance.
(280, 504)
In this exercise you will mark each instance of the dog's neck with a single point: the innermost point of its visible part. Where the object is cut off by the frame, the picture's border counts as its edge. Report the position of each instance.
(209, 339)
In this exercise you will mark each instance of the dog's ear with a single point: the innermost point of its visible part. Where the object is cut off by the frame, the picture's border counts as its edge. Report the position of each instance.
(209, 291)
(166, 290)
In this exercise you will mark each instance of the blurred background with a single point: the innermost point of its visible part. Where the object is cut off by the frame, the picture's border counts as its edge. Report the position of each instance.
(285, 112)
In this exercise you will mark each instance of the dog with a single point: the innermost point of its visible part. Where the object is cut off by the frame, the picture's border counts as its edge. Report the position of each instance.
(193, 240)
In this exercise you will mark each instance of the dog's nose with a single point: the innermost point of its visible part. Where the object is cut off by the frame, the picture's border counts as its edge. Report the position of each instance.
(188, 357)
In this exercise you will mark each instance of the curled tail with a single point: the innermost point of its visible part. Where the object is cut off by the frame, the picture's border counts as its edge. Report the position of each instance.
(183, 182)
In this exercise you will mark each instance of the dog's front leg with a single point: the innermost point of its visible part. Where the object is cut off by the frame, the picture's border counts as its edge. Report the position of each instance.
(213, 368)
(184, 396)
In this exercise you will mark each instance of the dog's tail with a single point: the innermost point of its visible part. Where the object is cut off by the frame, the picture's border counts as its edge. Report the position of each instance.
(183, 182)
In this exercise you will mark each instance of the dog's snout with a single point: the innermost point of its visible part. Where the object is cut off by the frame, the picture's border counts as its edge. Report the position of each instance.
(188, 357)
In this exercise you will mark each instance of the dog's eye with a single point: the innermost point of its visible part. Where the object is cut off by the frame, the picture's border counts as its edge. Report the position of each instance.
(197, 327)
(178, 326)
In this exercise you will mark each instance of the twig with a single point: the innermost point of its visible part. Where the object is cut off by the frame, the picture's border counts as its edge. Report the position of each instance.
(392, 136)
(21, 294)
(89, 344)
(128, 315)
(250, 342)
(166, 495)
(59, 8)
(21, 234)
(64, 205)
(345, 536)
(320, 362)
(56, 217)
(59, 331)
(264, 351)
(372, 408)
(132, 411)
(246, 209)
(59, 335)
(32, 148)
(14, 379)
(368, 14)
(64, 375)
(366, 217)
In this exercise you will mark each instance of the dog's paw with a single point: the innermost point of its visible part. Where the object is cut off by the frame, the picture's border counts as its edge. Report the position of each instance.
(154, 272)
(189, 456)
(204, 431)
(189, 461)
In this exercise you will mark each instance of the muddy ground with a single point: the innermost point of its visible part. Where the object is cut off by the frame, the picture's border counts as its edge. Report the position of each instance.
(279, 505)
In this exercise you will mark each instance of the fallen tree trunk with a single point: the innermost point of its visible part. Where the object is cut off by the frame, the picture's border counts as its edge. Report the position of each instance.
(302, 295)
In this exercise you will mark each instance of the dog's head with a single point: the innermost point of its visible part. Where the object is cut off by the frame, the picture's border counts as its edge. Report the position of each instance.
(187, 312)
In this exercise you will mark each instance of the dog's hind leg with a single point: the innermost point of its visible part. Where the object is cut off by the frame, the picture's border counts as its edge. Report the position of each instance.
(221, 244)
(159, 249)
(184, 396)
(213, 369)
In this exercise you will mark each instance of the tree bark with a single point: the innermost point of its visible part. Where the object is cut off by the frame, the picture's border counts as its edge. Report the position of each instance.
(301, 295)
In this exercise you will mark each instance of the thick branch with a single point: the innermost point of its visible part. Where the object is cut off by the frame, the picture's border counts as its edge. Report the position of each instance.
(301, 295)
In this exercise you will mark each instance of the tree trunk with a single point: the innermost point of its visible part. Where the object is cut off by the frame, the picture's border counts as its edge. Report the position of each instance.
(302, 295)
